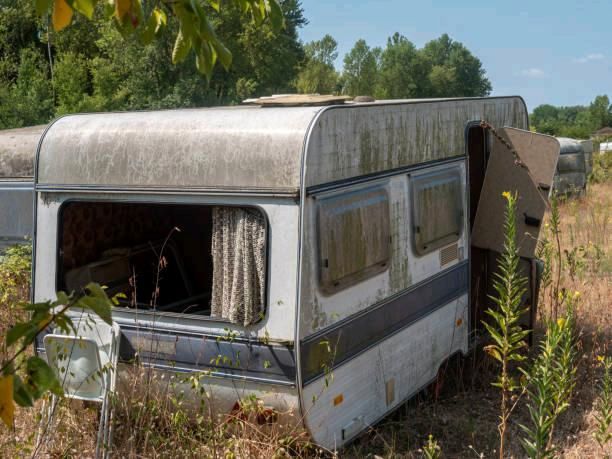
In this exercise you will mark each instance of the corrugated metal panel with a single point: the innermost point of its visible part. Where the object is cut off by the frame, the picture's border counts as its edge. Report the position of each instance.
(17, 151)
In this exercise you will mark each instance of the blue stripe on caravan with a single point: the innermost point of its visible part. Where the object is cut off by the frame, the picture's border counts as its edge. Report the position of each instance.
(223, 357)
(353, 335)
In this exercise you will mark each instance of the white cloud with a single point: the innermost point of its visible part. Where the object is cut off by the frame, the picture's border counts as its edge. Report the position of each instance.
(533, 72)
(589, 58)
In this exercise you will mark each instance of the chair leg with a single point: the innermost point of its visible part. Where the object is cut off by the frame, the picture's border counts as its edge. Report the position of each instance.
(46, 420)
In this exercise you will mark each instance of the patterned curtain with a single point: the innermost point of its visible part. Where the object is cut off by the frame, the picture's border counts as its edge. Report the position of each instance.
(238, 251)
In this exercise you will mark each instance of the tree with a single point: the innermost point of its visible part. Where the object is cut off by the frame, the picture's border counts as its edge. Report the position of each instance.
(575, 121)
(601, 112)
(360, 69)
(95, 68)
(29, 99)
(455, 71)
(396, 79)
(318, 74)
(442, 68)
(146, 18)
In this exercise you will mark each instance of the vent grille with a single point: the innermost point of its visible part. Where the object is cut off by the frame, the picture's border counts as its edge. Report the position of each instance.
(449, 254)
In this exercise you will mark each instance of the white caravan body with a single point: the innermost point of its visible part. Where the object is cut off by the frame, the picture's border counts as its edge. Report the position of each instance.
(369, 222)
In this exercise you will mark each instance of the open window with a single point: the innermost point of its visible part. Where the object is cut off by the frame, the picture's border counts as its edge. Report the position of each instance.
(437, 210)
(180, 259)
(353, 236)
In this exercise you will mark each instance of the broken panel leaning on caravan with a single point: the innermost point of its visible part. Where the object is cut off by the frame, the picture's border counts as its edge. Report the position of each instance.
(361, 259)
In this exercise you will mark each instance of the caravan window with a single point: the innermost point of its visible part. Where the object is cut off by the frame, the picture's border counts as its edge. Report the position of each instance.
(185, 259)
(353, 236)
(437, 210)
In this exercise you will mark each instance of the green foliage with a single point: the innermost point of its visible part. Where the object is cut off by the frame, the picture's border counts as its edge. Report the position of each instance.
(360, 69)
(602, 164)
(15, 267)
(505, 330)
(318, 74)
(577, 121)
(603, 417)
(550, 383)
(28, 100)
(397, 77)
(431, 450)
(96, 68)
(442, 68)
(145, 20)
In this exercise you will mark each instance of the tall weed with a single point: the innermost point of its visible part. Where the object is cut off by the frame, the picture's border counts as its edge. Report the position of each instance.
(505, 330)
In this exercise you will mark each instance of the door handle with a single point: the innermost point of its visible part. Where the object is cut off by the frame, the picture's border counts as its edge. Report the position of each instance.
(532, 221)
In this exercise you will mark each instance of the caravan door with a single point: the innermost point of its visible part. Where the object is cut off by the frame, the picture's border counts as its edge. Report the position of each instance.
(520, 162)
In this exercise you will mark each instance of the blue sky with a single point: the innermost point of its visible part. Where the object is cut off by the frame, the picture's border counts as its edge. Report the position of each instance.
(548, 51)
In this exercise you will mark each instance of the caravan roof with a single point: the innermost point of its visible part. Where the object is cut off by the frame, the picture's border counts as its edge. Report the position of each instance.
(17, 151)
(247, 148)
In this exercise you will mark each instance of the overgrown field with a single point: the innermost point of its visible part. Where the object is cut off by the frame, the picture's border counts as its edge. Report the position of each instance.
(461, 411)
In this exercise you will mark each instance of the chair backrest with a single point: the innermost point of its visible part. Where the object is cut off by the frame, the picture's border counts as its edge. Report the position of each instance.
(85, 362)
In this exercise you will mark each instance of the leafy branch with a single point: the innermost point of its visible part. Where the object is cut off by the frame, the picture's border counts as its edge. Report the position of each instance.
(147, 18)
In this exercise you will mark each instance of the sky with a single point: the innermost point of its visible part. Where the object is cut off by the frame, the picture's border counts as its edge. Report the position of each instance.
(555, 52)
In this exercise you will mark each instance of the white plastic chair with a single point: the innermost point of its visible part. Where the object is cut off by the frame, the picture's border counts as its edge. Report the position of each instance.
(86, 364)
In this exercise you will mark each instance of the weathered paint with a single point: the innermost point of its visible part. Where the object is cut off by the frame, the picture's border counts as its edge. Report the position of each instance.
(18, 149)
(223, 148)
(571, 175)
(249, 148)
(404, 269)
(350, 141)
(147, 156)
(587, 146)
(411, 358)
(16, 211)
(282, 216)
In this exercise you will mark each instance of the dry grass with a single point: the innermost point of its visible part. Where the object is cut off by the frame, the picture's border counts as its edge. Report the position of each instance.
(463, 417)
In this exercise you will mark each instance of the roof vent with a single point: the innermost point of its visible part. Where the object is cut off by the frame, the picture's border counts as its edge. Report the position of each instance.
(297, 100)
(362, 99)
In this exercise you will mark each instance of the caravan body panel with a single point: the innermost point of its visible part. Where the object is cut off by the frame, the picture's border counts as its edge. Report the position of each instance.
(17, 153)
(350, 330)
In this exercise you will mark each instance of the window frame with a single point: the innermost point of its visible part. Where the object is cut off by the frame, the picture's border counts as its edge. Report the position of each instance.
(415, 188)
(333, 285)
(59, 273)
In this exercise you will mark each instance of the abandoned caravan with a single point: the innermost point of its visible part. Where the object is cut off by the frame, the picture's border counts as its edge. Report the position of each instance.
(17, 153)
(356, 239)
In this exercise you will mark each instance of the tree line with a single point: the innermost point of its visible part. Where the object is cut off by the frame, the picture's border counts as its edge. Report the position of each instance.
(92, 66)
(441, 68)
(577, 121)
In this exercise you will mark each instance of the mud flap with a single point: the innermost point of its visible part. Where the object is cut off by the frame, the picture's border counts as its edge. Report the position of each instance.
(526, 165)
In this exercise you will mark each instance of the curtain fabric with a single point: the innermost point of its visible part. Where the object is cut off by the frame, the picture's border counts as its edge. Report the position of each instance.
(238, 252)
